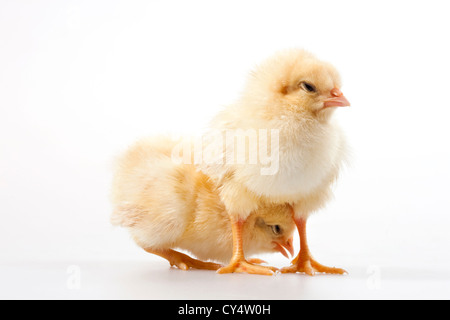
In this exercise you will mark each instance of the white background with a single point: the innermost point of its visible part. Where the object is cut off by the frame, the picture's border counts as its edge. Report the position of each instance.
(81, 80)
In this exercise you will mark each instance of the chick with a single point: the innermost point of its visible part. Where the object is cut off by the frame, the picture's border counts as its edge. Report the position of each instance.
(294, 95)
(168, 205)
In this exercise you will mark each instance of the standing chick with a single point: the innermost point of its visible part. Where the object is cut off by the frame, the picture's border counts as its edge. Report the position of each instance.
(166, 205)
(294, 95)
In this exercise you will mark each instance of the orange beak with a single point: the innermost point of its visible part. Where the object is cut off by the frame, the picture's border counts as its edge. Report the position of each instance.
(282, 247)
(337, 99)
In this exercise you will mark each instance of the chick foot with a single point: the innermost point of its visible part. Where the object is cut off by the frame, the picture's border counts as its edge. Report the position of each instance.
(182, 261)
(244, 266)
(238, 262)
(306, 264)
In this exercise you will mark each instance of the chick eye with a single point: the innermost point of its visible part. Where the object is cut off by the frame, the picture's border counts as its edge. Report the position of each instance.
(308, 87)
(276, 229)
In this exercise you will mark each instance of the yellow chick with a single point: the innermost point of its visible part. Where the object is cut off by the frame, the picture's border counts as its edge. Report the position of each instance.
(168, 205)
(291, 97)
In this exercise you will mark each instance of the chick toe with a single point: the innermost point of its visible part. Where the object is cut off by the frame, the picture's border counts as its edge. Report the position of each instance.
(247, 267)
(310, 267)
(183, 261)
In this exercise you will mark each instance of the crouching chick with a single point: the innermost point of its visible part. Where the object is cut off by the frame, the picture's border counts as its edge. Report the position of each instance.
(167, 206)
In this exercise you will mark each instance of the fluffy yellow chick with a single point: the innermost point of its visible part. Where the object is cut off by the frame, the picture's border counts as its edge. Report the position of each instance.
(167, 205)
(291, 97)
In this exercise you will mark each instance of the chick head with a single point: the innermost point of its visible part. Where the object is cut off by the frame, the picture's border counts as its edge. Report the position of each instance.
(294, 82)
(272, 230)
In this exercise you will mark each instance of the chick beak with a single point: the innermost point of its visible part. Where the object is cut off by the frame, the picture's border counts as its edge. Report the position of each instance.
(337, 99)
(282, 247)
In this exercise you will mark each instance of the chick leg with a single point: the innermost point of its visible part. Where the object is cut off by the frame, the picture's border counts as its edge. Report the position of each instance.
(183, 261)
(256, 261)
(238, 262)
(304, 263)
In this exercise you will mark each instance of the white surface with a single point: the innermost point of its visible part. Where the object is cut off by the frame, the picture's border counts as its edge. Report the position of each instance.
(80, 80)
(143, 280)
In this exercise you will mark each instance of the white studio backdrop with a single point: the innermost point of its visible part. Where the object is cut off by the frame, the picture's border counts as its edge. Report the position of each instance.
(81, 80)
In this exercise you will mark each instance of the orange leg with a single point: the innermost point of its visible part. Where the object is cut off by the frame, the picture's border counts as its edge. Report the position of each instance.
(256, 261)
(304, 262)
(238, 262)
(183, 261)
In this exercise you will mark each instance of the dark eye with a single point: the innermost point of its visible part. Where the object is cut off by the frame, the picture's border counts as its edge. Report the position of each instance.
(308, 87)
(276, 229)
